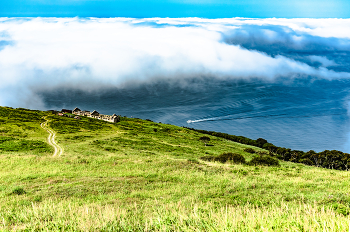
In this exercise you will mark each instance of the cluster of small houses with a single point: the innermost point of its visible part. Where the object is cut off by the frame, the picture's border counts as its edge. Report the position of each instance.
(76, 113)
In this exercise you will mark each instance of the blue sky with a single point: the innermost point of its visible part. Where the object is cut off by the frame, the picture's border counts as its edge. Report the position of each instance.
(176, 8)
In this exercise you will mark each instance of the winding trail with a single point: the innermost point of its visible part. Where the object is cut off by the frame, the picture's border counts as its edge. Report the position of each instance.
(51, 139)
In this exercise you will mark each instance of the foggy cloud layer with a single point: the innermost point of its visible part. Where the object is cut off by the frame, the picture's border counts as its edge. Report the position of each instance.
(90, 54)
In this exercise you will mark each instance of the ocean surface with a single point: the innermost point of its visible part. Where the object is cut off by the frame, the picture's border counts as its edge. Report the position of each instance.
(299, 113)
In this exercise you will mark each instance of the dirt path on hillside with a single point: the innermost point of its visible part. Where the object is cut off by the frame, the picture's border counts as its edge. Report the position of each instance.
(51, 139)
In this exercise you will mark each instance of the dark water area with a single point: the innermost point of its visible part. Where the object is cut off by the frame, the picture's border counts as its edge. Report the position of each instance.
(301, 114)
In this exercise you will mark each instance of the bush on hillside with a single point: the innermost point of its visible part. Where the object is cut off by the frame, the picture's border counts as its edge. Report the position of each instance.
(204, 139)
(327, 159)
(18, 191)
(226, 157)
(232, 157)
(262, 153)
(260, 142)
(306, 161)
(265, 160)
(249, 150)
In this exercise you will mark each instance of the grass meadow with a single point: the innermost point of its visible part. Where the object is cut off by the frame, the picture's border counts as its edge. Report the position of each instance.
(138, 175)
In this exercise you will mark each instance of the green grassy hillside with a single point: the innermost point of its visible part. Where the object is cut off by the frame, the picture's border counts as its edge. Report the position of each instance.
(137, 175)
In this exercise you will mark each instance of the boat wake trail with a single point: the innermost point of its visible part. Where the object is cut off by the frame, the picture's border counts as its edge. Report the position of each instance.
(263, 116)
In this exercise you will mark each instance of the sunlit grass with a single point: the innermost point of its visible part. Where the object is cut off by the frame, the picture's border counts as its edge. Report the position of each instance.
(180, 216)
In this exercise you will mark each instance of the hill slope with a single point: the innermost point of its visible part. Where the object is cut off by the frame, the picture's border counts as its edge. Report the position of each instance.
(141, 175)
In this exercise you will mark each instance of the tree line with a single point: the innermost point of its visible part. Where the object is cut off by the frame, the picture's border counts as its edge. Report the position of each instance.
(326, 159)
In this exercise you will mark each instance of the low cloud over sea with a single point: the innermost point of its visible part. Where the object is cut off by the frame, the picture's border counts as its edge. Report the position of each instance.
(285, 80)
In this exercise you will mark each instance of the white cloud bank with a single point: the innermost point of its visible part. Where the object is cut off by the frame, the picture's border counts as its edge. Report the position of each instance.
(44, 53)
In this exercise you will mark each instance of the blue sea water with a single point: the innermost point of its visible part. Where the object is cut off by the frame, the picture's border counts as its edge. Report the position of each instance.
(301, 114)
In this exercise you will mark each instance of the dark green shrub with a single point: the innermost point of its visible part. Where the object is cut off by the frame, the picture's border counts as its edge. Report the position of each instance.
(262, 153)
(249, 150)
(326, 159)
(270, 147)
(204, 139)
(18, 191)
(233, 157)
(110, 149)
(306, 161)
(225, 157)
(264, 160)
(244, 172)
(260, 142)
